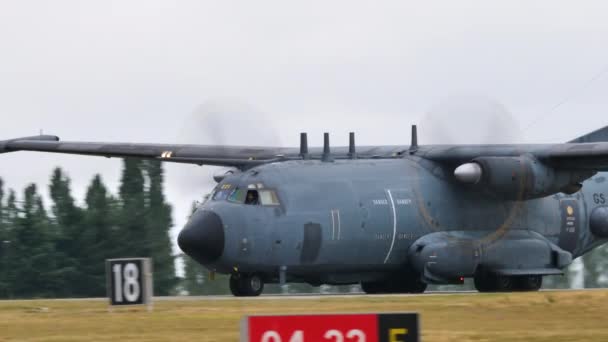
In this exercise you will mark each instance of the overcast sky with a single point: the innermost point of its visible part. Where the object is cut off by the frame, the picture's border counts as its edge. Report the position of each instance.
(172, 71)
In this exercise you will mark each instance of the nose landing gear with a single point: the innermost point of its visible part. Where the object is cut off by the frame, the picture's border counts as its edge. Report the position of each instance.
(246, 285)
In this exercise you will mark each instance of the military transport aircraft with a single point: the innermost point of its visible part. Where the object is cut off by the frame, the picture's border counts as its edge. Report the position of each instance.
(392, 218)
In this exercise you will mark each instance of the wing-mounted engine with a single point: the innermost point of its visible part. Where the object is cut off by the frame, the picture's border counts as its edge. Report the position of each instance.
(519, 178)
(448, 257)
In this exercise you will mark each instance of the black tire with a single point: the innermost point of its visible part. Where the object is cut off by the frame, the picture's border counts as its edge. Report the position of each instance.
(416, 286)
(504, 283)
(373, 287)
(412, 285)
(235, 285)
(482, 282)
(528, 283)
(253, 285)
(250, 285)
(490, 282)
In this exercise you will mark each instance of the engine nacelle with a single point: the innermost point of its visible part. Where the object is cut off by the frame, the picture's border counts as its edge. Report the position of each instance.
(519, 178)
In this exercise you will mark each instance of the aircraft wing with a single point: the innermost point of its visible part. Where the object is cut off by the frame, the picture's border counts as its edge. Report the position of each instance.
(238, 156)
(233, 156)
(571, 156)
(589, 156)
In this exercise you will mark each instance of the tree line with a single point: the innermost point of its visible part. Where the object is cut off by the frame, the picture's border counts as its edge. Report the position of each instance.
(60, 250)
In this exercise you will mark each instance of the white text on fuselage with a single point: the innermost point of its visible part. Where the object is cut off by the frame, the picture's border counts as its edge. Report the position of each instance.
(400, 236)
(399, 201)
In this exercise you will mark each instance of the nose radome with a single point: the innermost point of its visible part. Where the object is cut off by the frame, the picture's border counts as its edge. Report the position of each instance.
(203, 237)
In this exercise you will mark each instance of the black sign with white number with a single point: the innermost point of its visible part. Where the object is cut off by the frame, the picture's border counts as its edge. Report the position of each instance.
(127, 281)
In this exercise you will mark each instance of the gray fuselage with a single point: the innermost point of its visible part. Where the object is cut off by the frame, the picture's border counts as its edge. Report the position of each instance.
(350, 221)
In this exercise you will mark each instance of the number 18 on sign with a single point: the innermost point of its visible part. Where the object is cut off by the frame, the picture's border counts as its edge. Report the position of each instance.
(129, 281)
(394, 327)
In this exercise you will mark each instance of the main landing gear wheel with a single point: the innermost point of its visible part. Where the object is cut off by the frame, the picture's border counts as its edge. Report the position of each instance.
(394, 286)
(246, 285)
(417, 286)
(489, 282)
(528, 283)
(373, 287)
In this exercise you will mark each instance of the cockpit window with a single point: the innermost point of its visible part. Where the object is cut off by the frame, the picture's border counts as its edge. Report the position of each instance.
(252, 198)
(268, 197)
(237, 196)
(221, 195)
(247, 196)
(222, 192)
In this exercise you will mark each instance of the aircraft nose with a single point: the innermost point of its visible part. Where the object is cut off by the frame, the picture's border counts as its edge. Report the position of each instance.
(203, 237)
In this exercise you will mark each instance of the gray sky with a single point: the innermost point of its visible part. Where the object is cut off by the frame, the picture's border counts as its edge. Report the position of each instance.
(170, 71)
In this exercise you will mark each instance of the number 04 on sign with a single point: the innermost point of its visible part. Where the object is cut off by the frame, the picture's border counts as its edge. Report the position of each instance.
(129, 281)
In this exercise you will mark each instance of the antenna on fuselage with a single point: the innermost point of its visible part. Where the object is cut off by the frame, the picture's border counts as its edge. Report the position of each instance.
(326, 153)
(414, 144)
(304, 146)
(352, 153)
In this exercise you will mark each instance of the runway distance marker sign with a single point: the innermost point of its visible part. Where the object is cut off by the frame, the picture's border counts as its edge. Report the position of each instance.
(129, 281)
(388, 327)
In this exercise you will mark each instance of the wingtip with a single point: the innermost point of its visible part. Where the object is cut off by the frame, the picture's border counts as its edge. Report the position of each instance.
(4, 145)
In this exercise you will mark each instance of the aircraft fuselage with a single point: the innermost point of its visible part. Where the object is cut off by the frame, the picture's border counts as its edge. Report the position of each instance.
(352, 221)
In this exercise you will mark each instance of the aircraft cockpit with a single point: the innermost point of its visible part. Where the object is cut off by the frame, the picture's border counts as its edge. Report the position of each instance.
(252, 194)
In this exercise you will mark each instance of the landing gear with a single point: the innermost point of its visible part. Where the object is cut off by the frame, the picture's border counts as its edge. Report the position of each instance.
(490, 282)
(528, 283)
(411, 285)
(372, 287)
(246, 285)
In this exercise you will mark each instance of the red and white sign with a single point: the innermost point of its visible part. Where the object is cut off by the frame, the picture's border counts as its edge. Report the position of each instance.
(331, 328)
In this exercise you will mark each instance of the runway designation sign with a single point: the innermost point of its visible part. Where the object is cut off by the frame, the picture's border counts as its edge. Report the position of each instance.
(129, 281)
(393, 327)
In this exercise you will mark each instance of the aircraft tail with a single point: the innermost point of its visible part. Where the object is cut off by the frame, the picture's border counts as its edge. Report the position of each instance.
(5, 145)
(600, 135)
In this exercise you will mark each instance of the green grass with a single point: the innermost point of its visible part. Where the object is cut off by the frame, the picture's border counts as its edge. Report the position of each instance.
(544, 316)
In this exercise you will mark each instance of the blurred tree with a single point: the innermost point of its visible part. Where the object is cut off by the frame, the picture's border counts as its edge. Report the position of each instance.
(33, 258)
(596, 267)
(158, 226)
(68, 236)
(99, 236)
(7, 251)
(132, 212)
